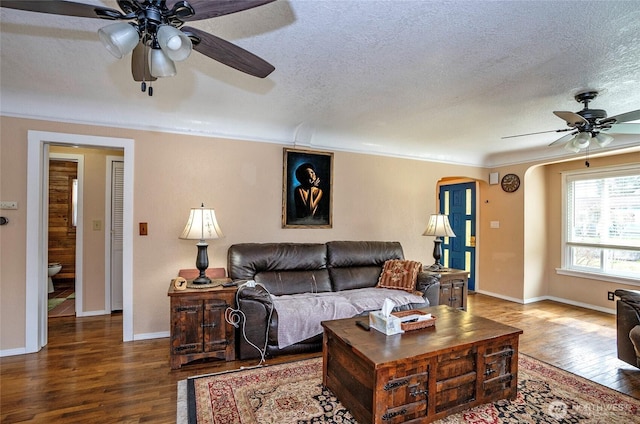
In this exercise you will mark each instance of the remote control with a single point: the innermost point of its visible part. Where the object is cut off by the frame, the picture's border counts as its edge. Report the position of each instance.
(363, 325)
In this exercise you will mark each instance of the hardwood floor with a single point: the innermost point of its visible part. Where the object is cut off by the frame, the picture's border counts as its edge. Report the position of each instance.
(86, 374)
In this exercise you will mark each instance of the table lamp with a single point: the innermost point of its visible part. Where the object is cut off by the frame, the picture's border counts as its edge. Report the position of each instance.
(202, 225)
(438, 226)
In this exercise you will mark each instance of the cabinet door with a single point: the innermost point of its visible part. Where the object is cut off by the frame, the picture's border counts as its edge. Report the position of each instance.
(214, 325)
(497, 370)
(457, 294)
(445, 292)
(186, 336)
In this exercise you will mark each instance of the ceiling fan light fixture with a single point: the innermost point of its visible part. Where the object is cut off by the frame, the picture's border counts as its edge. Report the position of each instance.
(582, 140)
(120, 38)
(603, 140)
(174, 43)
(160, 65)
(571, 146)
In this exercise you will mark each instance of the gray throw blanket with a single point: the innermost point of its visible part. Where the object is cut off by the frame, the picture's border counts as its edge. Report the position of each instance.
(300, 315)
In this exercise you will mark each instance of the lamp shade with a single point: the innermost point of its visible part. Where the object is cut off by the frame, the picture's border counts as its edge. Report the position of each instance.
(439, 226)
(161, 65)
(119, 38)
(202, 225)
(571, 147)
(582, 140)
(174, 43)
(603, 140)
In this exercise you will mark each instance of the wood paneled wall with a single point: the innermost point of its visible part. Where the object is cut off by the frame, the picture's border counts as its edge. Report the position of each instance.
(62, 234)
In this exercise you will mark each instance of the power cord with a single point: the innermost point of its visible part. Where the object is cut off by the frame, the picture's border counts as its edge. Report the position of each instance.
(236, 317)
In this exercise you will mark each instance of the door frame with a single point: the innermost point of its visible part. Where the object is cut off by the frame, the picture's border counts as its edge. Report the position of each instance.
(36, 260)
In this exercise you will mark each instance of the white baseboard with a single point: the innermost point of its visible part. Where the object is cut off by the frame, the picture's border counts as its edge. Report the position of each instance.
(554, 298)
(91, 313)
(499, 296)
(148, 336)
(13, 352)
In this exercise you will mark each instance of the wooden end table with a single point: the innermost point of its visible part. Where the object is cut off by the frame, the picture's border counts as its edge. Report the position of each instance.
(421, 375)
(198, 326)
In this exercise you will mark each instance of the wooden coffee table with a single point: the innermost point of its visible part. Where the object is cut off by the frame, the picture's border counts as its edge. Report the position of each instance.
(422, 375)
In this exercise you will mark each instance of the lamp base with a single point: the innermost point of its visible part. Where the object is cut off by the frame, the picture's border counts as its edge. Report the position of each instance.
(436, 267)
(202, 280)
(202, 263)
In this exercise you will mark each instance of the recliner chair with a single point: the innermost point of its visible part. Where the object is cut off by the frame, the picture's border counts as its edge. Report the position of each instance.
(628, 326)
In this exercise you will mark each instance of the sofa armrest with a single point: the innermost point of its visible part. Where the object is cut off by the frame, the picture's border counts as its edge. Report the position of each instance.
(257, 307)
(429, 285)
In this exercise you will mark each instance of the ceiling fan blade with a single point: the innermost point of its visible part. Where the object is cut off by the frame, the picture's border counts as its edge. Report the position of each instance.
(573, 119)
(229, 54)
(206, 9)
(68, 8)
(563, 139)
(623, 117)
(140, 64)
(539, 132)
(624, 128)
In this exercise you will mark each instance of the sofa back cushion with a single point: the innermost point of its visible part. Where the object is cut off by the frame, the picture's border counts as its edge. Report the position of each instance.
(358, 264)
(283, 268)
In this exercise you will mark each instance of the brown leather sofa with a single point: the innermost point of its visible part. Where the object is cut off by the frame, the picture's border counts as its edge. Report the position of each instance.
(628, 326)
(291, 268)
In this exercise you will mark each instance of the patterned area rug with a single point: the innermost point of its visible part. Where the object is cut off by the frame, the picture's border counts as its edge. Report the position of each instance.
(293, 393)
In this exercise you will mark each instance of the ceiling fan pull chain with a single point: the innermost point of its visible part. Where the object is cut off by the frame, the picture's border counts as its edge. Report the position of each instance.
(586, 162)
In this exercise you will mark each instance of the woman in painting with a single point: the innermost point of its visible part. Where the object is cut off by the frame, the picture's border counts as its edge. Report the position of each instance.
(308, 194)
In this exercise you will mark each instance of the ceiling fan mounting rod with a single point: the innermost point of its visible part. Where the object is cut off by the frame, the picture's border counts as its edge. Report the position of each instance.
(585, 97)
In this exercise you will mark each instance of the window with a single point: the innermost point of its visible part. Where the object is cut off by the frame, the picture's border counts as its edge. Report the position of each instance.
(602, 227)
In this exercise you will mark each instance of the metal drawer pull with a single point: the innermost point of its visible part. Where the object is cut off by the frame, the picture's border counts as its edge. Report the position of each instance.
(489, 371)
(503, 353)
(420, 393)
(187, 308)
(210, 325)
(184, 347)
(395, 384)
(390, 415)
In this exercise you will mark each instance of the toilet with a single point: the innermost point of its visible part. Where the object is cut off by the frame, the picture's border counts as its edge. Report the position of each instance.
(53, 269)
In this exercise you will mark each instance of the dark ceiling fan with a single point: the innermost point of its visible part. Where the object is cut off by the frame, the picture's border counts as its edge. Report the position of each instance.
(587, 125)
(154, 32)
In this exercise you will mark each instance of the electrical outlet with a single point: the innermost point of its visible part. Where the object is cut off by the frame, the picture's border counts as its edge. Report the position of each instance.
(610, 295)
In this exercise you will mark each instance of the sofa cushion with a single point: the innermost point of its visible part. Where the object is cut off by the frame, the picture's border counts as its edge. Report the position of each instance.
(357, 264)
(283, 268)
(300, 315)
(399, 274)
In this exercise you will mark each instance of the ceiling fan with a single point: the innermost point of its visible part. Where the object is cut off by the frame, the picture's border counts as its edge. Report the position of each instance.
(154, 32)
(587, 125)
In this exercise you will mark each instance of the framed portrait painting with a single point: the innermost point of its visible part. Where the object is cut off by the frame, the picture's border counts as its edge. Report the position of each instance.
(306, 189)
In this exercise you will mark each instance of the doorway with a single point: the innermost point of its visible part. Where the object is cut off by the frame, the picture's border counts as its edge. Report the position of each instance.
(64, 198)
(459, 202)
(36, 264)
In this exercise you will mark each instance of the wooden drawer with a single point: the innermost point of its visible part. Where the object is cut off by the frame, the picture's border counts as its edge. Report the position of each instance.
(456, 378)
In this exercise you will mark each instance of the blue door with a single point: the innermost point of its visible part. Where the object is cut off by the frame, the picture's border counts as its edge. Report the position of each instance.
(459, 252)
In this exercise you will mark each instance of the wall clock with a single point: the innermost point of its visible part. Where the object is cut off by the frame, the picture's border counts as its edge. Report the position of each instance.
(510, 183)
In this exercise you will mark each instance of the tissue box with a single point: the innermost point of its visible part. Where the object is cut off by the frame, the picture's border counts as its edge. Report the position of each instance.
(388, 325)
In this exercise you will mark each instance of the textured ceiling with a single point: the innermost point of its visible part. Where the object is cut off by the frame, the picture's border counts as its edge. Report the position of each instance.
(436, 80)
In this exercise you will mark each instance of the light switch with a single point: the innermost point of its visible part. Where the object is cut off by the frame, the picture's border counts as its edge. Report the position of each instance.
(143, 229)
(97, 225)
(494, 224)
(8, 205)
